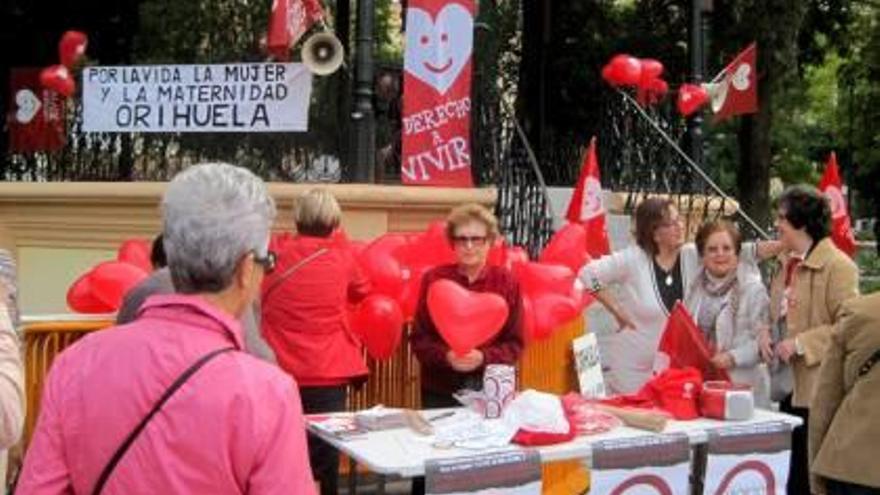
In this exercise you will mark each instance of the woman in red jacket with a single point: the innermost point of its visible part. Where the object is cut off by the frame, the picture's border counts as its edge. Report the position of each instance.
(304, 317)
(470, 229)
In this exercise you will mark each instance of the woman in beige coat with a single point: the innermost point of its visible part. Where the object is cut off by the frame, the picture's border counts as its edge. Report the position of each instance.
(806, 298)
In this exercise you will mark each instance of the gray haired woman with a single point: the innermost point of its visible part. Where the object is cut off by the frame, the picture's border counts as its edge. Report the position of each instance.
(235, 424)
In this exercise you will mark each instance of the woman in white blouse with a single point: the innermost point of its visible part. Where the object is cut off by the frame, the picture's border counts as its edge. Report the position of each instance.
(651, 276)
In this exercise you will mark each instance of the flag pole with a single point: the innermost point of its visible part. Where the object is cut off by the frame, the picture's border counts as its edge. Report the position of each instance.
(696, 168)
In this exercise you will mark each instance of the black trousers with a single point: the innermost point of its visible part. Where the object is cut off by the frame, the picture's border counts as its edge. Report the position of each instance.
(799, 469)
(836, 487)
(323, 457)
(432, 400)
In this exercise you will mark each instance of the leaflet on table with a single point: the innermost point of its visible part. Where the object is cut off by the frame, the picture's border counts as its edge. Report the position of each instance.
(748, 459)
(341, 426)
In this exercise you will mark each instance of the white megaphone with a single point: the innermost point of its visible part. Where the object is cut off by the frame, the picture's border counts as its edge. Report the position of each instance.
(322, 53)
(717, 93)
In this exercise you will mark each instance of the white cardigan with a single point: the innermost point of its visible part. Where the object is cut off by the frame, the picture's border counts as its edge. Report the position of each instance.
(630, 354)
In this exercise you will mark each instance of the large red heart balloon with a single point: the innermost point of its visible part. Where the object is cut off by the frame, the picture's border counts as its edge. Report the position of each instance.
(378, 321)
(111, 280)
(651, 69)
(136, 252)
(465, 319)
(81, 297)
(691, 97)
(568, 247)
(381, 266)
(72, 47)
(58, 79)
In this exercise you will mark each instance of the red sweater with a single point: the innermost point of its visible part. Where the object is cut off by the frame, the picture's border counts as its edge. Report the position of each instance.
(304, 318)
(430, 348)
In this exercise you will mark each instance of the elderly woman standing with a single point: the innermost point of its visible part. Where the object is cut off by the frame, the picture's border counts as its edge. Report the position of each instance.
(806, 300)
(731, 306)
(231, 423)
(304, 317)
(471, 229)
(12, 394)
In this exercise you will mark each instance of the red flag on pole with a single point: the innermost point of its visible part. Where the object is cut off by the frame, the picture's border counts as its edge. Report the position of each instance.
(832, 187)
(735, 89)
(685, 345)
(289, 20)
(35, 118)
(586, 206)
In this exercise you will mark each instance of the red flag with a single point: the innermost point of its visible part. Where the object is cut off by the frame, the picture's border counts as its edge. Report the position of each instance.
(685, 345)
(289, 20)
(736, 89)
(586, 205)
(35, 118)
(832, 187)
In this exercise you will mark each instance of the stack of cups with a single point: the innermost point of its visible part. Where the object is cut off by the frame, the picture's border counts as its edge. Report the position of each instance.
(499, 385)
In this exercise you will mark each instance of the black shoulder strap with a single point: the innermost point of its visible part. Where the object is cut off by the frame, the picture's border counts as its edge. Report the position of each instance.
(123, 448)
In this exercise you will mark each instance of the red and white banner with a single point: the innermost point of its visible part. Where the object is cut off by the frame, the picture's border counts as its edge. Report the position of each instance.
(748, 459)
(586, 206)
(436, 147)
(288, 21)
(645, 464)
(832, 187)
(736, 89)
(36, 114)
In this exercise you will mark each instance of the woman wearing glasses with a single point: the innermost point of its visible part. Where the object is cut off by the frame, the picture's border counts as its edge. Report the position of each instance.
(471, 229)
(304, 317)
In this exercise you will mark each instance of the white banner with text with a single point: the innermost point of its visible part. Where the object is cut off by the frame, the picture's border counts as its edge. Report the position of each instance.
(245, 97)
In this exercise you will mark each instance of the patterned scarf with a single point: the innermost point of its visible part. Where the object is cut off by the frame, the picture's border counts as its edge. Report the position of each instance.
(714, 294)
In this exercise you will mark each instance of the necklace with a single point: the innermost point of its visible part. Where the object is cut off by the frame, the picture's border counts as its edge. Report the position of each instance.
(668, 280)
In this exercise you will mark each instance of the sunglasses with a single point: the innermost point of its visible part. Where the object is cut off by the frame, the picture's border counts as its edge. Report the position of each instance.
(268, 262)
(474, 240)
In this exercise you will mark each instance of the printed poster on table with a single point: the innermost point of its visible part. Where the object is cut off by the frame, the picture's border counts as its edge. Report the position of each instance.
(436, 147)
(35, 118)
(588, 363)
(246, 97)
(750, 459)
(655, 465)
(498, 473)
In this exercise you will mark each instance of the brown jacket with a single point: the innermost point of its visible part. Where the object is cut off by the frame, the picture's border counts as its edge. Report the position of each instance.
(822, 282)
(844, 425)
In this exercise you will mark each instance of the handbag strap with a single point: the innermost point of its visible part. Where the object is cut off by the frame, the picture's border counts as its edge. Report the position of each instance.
(290, 271)
(129, 440)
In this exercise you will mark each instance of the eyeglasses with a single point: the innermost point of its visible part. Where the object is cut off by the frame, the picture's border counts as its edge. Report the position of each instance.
(268, 262)
(474, 240)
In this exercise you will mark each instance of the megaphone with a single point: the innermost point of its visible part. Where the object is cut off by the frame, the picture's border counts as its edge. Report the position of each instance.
(322, 53)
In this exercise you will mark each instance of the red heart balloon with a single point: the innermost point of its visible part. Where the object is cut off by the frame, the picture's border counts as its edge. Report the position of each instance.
(465, 319)
(539, 278)
(381, 266)
(430, 248)
(691, 97)
(623, 70)
(72, 47)
(551, 311)
(111, 280)
(378, 321)
(136, 252)
(58, 79)
(81, 297)
(568, 247)
(651, 69)
(412, 288)
(497, 253)
(528, 318)
(514, 255)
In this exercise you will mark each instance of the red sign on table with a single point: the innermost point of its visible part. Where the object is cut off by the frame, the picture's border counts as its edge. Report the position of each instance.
(436, 147)
(36, 114)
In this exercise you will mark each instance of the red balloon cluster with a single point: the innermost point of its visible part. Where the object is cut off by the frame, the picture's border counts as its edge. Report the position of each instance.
(642, 74)
(101, 289)
(71, 50)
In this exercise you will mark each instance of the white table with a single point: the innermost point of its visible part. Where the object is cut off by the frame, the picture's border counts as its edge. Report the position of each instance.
(402, 452)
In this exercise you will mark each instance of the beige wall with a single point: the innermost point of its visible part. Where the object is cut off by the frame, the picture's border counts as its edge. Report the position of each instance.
(59, 230)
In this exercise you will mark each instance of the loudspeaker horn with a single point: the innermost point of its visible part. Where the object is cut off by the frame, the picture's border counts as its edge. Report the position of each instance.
(322, 53)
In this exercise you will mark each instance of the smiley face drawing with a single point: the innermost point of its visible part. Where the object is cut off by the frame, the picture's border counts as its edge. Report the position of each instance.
(437, 49)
